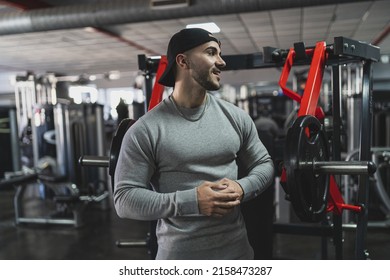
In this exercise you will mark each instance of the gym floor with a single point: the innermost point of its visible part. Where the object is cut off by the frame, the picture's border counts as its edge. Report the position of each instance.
(96, 240)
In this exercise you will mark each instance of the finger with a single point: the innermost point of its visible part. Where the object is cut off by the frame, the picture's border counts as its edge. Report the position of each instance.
(218, 187)
(228, 189)
(228, 196)
(224, 181)
(227, 204)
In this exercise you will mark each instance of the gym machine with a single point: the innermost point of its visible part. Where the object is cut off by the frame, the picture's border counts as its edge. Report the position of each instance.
(310, 168)
(52, 133)
(154, 94)
(379, 201)
(309, 176)
(8, 141)
(381, 158)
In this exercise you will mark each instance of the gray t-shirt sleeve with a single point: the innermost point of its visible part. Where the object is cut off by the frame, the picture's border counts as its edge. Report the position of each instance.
(254, 160)
(133, 197)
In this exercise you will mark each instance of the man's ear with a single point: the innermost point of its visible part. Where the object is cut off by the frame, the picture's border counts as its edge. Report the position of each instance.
(181, 61)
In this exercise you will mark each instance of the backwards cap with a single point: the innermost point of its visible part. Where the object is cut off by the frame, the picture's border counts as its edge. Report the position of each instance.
(182, 41)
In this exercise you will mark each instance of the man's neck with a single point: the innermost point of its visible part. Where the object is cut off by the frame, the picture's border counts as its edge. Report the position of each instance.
(189, 98)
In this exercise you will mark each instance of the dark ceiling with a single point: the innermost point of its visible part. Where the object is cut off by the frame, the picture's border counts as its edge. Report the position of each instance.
(95, 37)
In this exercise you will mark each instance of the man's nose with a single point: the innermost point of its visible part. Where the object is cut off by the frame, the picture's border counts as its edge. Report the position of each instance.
(221, 63)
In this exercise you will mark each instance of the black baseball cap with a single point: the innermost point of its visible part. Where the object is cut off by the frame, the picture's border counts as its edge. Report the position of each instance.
(182, 41)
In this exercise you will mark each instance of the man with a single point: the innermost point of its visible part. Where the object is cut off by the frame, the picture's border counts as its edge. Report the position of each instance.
(123, 110)
(188, 149)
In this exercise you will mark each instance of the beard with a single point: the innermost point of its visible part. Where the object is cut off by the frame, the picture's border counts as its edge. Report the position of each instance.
(204, 78)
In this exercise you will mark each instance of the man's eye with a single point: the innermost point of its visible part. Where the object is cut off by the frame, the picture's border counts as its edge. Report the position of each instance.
(210, 51)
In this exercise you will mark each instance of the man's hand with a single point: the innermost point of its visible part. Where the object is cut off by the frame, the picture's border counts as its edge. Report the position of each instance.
(218, 198)
(232, 187)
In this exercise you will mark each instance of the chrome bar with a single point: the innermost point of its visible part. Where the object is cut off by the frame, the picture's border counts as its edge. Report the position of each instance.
(340, 167)
(99, 161)
(131, 243)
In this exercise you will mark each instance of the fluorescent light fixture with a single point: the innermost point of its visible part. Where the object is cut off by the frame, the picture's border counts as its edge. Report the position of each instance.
(113, 75)
(169, 4)
(385, 59)
(89, 29)
(209, 26)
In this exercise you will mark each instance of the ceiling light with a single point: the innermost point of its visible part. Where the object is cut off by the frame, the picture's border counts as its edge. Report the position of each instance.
(113, 75)
(169, 4)
(92, 77)
(90, 29)
(385, 59)
(209, 26)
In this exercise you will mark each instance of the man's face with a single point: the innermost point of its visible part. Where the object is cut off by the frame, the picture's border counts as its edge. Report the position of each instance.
(205, 65)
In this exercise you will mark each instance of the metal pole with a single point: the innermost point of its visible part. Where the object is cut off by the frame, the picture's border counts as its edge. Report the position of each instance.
(337, 220)
(97, 161)
(343, 167)
(131, 244)
(365, 154)
(15, 145)
(148, 89)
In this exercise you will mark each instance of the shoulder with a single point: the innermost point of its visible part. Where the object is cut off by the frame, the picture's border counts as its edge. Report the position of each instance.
(158, 111)
(155, 116)
(221, 102)
(237, 117)
(153, 121)
(230, 110)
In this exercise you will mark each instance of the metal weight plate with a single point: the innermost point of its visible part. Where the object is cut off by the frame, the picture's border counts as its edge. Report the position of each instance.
(116, 144)
(306, 142)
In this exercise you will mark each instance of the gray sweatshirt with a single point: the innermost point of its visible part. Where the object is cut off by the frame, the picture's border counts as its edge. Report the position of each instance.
(164, 157)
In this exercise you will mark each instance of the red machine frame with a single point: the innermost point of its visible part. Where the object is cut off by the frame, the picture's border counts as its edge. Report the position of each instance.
(309, 106)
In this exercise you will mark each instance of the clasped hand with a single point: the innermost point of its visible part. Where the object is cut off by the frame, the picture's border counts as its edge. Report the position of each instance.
(218, 198)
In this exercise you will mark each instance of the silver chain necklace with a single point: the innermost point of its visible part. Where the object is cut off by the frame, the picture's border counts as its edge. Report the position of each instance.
(183, 115)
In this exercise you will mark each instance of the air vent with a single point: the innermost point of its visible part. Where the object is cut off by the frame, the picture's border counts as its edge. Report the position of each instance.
(169, 4)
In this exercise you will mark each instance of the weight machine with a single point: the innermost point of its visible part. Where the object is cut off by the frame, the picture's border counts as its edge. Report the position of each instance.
(379, 202)
(154, 94)
(309, 176)
(8, 141)
(51, 134)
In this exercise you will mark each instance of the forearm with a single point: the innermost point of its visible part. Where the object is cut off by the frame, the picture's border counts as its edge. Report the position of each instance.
(144, 204)
(258, 179)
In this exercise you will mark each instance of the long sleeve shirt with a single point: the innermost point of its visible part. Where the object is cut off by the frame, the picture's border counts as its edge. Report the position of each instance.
(164, 157)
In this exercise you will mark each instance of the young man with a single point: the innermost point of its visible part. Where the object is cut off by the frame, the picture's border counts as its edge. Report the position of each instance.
(189, 149)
